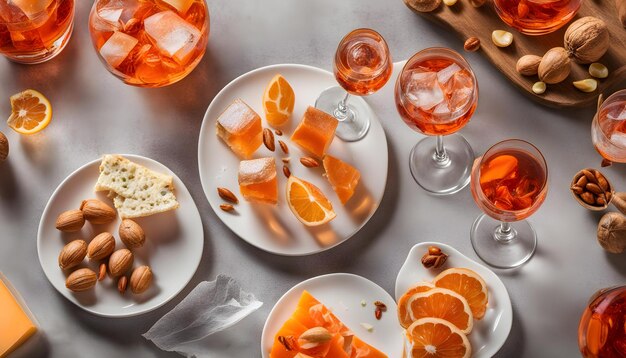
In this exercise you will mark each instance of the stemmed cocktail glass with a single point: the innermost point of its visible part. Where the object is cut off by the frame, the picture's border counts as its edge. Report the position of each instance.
(509, 183)
(436, 94)
(362, 66)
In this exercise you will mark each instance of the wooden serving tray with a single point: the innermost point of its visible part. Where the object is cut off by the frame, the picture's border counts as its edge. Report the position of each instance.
(467, 21)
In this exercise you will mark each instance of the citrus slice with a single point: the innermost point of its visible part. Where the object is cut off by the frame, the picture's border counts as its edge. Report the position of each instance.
(468, 284)
(30, 112)
(435, 338)
(308, 203)
(342, 176)
(278, 101)
(440, 303)
(403, 308)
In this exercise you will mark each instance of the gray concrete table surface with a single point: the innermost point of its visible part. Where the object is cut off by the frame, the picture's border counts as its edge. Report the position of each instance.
(94, 113)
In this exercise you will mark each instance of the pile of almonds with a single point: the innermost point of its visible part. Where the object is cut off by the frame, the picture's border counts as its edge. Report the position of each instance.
(592, 188)
(102, 249)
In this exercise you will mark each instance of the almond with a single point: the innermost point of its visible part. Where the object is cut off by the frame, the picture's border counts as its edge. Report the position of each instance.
(121, 284)
(70, 221)
(283, 147)
(227, 195)
(140, 279)
(472, 44)
(528, 65)
(286, 171)
(81, 280)
(120, 262)
(72, 254)
(101, 246)
(309, 162)
(227, 207)
(97, 212)
(314, 337)
(131, 234)
(268, 139)
(102, 271)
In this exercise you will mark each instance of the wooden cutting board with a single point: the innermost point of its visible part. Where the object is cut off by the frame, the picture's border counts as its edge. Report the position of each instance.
(467, 21)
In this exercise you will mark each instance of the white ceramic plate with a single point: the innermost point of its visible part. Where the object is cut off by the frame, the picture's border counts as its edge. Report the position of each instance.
(342, 293)
(489, 333)
(276, 229)
(173, 248)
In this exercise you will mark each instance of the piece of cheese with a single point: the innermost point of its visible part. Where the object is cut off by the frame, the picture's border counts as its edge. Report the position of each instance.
(16, 327)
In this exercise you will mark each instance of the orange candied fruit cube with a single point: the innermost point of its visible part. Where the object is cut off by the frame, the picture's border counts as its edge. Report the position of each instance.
(315, 132)
(240, 127)
(257, 180)
(343, 177)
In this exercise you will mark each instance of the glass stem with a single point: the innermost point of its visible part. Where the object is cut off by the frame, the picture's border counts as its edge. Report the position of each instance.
(441, 156)
(341, 112)
(504, 233)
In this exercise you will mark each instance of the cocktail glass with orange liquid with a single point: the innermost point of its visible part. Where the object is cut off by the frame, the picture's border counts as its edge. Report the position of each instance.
(536, 17)
(608, 129)
(509, 183)
(362, 66)
(35, 31)
(436, 94)
(601, 331)
(150, 43)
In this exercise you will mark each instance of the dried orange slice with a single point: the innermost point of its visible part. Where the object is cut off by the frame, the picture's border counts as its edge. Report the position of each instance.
(403, 308)
(30, 112)
(278, 101)
(436, 338)
(468, 284)
(342, 176)
(308, 203)
(440, 303)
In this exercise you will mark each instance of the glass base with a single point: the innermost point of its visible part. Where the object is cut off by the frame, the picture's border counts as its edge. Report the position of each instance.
(354, 124)
(442, 177)
(500, 250)
(48, 54)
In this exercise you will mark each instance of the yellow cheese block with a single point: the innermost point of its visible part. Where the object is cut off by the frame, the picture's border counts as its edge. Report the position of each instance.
(15, 324)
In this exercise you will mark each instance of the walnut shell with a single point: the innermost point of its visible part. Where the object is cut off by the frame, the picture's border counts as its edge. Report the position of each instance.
(612, 232)
(423, 5)
(555, 66)
(587, 39)
(4, 147)
(528, 65)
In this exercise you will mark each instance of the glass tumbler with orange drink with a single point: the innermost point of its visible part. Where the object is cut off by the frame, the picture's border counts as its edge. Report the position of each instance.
(362, 66)
(608, 129)
(436, 94)
(536, 17)
(601, 332)
(35, 31)
(150, 43)
(509, 183)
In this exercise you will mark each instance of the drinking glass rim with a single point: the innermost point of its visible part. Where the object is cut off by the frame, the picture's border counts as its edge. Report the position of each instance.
(614, 95)
(488, 203)
(40, 14)
(464, 62)
(387, 59)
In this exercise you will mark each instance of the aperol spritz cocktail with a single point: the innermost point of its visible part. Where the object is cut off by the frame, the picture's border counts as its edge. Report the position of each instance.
(34, 31)
(601, 332)
(150, 43)
(608, 129)
(536, 17)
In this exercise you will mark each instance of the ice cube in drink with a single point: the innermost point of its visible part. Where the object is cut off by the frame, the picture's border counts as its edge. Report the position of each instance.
(423, 89)
(117, 48)
(174, 36)
(180, 5)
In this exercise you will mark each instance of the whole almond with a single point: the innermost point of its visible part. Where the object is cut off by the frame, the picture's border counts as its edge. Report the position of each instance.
(70, 221)
(121, 284)
(72, 254)
(97, 212)
(101, 246)
(309, 162)
(227, 195)
(81, 280)
(227, 207)
(555, 66)
(472, 44)
(140, 279)
(268, 139)
(102, 271)
(286, 171)
(278, 132)
(528, 65)
(131, 234)
(314, 337)
(283, 147)
(120, 262)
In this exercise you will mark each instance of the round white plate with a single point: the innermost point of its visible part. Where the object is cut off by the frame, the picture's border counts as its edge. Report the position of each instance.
(489, 333)
(276, 229)
(173, 248)
(342, 293)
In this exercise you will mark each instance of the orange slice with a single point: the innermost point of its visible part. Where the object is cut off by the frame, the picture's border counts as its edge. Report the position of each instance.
(440, 303)
(403, 308)
(468, 284)
(30, 112)
(278, 101)
(342, 176)
(436, 338)
(308, 203)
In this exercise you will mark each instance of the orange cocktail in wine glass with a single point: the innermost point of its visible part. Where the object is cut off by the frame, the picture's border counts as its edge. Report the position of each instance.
(436, 94)
(362, 66)
(509, 183)
(608, 129)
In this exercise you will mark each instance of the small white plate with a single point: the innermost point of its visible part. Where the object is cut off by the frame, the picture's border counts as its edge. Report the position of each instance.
(489, 333)
(276, 229)
(342, 293)
(173, 248)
